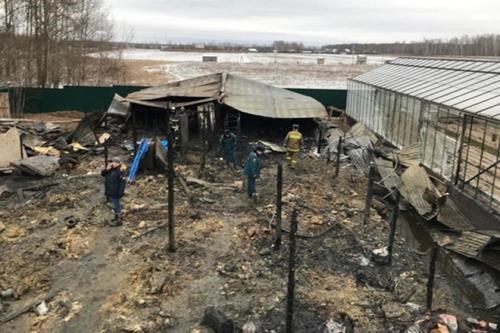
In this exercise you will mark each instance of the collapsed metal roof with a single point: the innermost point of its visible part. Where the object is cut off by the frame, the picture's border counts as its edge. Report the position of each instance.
(242, 94)
(464, 84)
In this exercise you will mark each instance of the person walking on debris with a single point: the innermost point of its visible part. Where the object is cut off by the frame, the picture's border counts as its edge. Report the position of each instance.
(228, 142)
(293, 143)
(114, 187)
(252, 170)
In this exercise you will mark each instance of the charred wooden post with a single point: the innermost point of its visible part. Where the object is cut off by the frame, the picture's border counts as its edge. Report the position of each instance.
(279, 203)
(155, 138)
(171, 176)
(203, 134)
(432, 273)
(210, 127)
(291, 272)
(337, 163)
(394, 219)
(105, 144)
(134, 129)
(369, 193)
(320, 138)
(328, 156)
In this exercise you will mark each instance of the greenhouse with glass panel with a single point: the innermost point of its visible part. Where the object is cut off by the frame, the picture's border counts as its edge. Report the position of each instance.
(450, 108)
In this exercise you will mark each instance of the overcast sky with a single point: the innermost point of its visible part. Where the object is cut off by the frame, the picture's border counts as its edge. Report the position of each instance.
(311, 21)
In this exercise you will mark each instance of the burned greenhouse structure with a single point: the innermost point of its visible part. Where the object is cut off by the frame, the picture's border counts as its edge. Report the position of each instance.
(446, 109)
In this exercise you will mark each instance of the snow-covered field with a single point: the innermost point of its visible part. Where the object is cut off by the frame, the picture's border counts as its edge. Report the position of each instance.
(279, 69)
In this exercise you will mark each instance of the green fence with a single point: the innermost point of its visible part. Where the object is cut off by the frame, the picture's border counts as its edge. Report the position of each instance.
(88, 99)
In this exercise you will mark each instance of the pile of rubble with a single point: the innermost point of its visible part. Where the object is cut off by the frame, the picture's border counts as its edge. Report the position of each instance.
(63, 269)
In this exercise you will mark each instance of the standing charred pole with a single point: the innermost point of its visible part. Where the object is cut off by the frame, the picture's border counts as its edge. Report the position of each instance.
(171, 176)
(203, 134)
(291, 272)
(155, 136)
(337, 162)
(369, 193)
(279, 203)
(134, 129)
(394, 219)
(320, 138)
(432, 273)
(104, 143)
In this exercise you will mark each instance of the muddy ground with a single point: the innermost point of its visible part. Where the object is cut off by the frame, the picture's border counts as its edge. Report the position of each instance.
(122, 279)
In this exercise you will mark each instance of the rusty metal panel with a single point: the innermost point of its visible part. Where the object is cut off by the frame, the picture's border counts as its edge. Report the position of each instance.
(470, 243)
(4, 105)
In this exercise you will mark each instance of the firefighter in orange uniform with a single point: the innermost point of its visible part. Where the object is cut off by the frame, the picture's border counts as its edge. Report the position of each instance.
(293, 143)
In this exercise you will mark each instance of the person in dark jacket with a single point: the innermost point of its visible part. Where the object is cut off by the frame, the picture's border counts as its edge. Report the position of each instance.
(252, 170)
(113, 187)
(228, 142)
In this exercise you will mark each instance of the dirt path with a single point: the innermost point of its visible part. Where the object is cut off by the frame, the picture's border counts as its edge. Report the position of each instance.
(204, 291)
(90, 280)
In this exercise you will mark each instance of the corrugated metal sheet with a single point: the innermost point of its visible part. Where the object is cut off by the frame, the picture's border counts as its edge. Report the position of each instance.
(415, 182)
(469, 85)
(480, 280)
(361, 159)
(389, 176)
(245, 95)
(202, 86)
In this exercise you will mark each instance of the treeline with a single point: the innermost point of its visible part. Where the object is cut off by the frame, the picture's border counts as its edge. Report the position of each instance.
(480, 45)
(47, 43)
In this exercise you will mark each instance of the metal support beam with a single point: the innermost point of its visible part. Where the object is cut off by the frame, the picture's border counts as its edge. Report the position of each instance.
(134, 129)
(482, 171)
(320, 138)
(369, 193)
(279, 202)
(432, 273)
(394, 220)
(337, 162)
(291, 272)
(460, 149)
(171, 176)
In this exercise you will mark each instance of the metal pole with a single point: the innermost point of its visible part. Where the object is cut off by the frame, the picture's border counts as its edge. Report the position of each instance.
(337, 163)
(432, 273)
(291, 272)
(394, 220)
(279, 193)
(369, 193)
(134, 130)
(171, 175)
(320, 137)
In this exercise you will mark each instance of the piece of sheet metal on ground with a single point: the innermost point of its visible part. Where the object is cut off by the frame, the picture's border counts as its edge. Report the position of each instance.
(415, 182)
(10, 147)
(388, 173)
(482, 281)
(361, 159)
